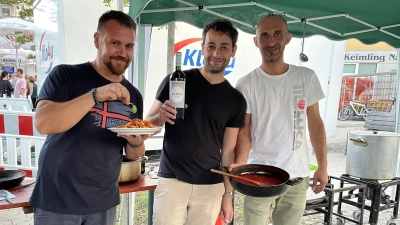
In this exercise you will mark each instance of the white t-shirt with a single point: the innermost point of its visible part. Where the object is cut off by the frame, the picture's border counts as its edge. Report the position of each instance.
(278, 105)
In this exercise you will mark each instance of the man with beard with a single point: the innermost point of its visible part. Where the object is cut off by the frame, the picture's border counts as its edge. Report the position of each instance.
(280, 99)
(81, 159)
(204, 140)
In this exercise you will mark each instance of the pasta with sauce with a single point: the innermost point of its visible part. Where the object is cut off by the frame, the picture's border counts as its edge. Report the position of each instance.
(138, 123)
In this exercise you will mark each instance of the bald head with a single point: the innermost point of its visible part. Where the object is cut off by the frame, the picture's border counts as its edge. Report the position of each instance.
(271, 38)
(273, 19)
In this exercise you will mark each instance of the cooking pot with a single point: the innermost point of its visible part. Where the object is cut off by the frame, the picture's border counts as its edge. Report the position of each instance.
(131, 169)
(277, 179)
(11, 178)
(372, 154)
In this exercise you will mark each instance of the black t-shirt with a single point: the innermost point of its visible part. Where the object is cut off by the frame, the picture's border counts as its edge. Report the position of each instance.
(193, 146)
(79, 168)
(5, 88)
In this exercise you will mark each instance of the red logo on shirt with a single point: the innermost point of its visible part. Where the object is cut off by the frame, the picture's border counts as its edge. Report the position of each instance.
(301, 104)
(110, 114)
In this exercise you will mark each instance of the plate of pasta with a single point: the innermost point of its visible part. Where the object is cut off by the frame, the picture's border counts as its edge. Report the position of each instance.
(136, 126)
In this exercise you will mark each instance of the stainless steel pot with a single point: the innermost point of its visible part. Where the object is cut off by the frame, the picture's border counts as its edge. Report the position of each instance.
(372, 154)
(131, 169)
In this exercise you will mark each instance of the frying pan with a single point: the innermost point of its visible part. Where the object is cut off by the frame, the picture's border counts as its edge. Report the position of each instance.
(11, 178)
(279, 179)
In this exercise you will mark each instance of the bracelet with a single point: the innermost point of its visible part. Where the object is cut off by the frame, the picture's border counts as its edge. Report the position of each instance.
(96, 101)
(134, 146)
(231, 193)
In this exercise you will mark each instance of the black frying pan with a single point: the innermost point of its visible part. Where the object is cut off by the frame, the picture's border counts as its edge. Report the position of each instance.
(11, 178)
(275, 173)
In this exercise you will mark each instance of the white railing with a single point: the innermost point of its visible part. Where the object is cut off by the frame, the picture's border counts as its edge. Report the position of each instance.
(16, 104)
(16, 152)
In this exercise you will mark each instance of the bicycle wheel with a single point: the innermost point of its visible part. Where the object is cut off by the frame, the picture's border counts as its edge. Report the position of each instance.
(345, 113)
(366, 111)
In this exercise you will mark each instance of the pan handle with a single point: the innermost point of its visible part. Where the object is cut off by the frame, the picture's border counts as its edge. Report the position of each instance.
(294, 181)
(224, 169)
(359, 142)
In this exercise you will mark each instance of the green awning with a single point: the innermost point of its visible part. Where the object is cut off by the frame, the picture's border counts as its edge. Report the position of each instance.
(369, 21)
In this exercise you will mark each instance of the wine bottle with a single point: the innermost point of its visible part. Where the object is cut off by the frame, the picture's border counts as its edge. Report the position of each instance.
(177, 84)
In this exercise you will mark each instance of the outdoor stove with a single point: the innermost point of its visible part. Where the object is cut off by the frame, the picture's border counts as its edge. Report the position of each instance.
(356, 192)
(374, 192)
(326, 204)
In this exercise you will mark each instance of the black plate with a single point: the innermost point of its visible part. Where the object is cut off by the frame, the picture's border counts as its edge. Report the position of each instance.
(11, 178)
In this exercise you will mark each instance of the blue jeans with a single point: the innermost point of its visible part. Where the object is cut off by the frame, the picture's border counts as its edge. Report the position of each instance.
(42, 217)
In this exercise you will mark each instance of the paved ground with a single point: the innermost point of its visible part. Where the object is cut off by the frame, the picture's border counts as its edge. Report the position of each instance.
(336, 167)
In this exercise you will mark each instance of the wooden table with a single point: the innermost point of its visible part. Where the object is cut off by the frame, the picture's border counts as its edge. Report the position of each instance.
(21, 196)
(145, 183)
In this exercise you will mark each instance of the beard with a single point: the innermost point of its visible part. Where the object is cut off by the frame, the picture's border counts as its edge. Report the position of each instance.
(269, 56)
(215, 69)
(116, 68)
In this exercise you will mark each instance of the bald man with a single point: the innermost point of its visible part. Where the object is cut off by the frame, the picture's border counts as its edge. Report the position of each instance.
(281, 98)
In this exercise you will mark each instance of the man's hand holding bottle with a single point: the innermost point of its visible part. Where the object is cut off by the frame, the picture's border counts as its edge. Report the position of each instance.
(168, 112)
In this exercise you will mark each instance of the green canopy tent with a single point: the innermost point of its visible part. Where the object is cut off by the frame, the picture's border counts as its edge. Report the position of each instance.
(369, 21)
(366, 20)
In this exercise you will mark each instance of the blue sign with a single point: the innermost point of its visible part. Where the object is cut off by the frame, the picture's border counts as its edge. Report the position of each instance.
(9, 69)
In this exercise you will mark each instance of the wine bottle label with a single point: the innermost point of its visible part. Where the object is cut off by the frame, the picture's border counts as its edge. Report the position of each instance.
(177, 92)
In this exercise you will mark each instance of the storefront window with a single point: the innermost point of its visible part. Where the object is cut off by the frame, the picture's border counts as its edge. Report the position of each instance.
(366, 68)
(5, 12)
(349, 68)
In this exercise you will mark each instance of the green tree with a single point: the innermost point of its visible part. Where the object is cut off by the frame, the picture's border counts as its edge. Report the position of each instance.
(108, 3)
(25, 7)
(20, 38)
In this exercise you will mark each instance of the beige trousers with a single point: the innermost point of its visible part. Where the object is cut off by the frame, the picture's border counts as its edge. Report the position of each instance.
(174, 198)
(289, 207)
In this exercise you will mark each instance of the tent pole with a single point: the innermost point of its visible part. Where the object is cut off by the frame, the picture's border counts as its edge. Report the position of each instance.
(397, 104)
(397, 112)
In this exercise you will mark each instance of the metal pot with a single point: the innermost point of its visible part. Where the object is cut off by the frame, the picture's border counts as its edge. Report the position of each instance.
(131, 169)
(279, 176)
(11, 178)
(372, 154)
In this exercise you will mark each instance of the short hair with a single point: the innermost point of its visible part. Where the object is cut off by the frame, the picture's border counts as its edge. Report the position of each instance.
(223, 25)
(122, 18)
(4, 74)
(31, 79)
(21, 71)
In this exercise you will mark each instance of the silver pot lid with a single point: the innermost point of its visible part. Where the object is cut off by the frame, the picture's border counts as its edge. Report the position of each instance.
(375, 133)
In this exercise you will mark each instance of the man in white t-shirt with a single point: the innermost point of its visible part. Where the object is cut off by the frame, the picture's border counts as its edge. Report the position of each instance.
(282, 100)
(20, 86)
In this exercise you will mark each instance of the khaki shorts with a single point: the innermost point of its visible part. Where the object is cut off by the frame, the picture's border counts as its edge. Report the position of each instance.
(289, 207)
(174, 198)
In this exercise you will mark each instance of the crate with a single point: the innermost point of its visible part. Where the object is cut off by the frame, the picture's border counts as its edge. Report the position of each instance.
(381, 121)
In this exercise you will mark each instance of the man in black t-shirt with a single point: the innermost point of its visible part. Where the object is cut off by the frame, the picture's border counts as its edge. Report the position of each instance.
(204, 140)
(80, 161)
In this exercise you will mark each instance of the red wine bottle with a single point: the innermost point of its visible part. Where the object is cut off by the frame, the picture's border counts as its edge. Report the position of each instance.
(177, 84)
